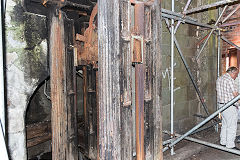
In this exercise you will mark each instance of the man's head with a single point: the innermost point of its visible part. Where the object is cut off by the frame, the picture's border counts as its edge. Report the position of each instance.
(233, 72)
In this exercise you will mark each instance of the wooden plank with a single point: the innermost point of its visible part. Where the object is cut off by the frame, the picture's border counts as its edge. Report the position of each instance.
(109, 80)
(38, 133)
(61, 66)
(38, 140)
(38, 130)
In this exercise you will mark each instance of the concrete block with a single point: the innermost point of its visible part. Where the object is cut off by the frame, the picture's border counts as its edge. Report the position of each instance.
(181, 79)
(191, 93)
(165, 96)
(166, 114)
(166, 38)
(166, 49)
(193, 107)
(181, 110)
(180, 95)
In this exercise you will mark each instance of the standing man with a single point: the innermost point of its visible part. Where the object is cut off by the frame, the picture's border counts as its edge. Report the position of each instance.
(226, 91)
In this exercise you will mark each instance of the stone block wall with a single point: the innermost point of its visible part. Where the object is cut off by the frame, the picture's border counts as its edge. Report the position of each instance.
(26, 68)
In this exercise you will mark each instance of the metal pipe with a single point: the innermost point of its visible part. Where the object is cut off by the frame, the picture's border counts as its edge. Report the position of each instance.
(2, 95)
(178, 15)
(189, 72)
(211, 32)
(203, 122)
(218, 64)
(167, 141)
(230, 14)
(229, 42)
(202, 129)
(185, 8)
(208, 6)
(208, 144)
(3, 148)
(229, 24)
(172, 76)
(164, 15)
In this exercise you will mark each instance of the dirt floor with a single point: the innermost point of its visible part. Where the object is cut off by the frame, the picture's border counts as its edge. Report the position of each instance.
(186, 150)
(214, 154)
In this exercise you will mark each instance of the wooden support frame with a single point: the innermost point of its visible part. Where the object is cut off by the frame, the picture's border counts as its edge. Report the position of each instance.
(63, 116)
(114, 80)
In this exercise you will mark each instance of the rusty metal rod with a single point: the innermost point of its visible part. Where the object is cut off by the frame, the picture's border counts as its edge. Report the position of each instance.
(139, 95)
(209, 35)
(189, 72)
(208, 6)
(229, 42)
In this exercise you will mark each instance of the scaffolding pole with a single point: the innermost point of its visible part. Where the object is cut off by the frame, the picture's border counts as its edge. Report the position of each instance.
(3, 148)
(230, 14)
(166, 15)
(172, 76)
(2, 95)
(185, 8)
(207, 144)
(178, 15)
(231, 102)
(202, 8)
(229, 42)
(209, 35)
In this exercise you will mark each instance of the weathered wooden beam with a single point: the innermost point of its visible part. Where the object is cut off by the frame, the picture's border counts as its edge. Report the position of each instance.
(157, 81)
(62, 92)
(109, 79)
(127, 115)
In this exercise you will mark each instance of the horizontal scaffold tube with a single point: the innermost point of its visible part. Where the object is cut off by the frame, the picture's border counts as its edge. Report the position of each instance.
(203, 122)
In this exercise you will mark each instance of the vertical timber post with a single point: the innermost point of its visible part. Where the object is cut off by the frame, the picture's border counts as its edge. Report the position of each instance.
(109, 79)
(126, 84)
(64, 139)
(157, 81)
